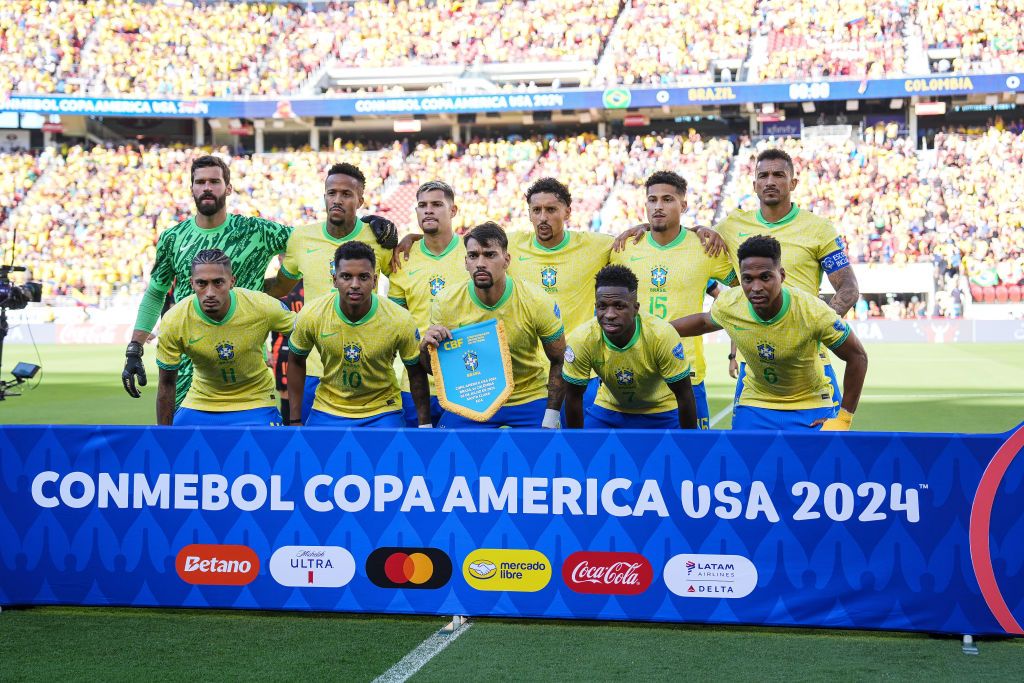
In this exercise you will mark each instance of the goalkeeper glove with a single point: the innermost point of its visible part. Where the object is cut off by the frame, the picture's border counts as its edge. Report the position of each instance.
(133, 367)
(384, 230)
(840, 423)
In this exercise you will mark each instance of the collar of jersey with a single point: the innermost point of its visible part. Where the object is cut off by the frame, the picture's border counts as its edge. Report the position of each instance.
(447, 250)
(374, 303)
(560, 245)
(778, 316)
(782, 221)
(674, 243)
(630, 344)
(509, 285)
(208, 319)
(356, 229)
(207, 231)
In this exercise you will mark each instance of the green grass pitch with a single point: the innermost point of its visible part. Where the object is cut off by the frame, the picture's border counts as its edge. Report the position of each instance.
(969, 388)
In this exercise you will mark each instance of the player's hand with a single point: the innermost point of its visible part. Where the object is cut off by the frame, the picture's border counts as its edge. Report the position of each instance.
(734, 368)
(401, 252)
(133, 368)
(711, 241)
(637, 232)
(840, 423)
(384, 230)
(434, 336)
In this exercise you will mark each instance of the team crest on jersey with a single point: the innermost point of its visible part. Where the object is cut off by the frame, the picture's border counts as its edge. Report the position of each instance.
(353, 352)
(436, 285)
(624, 377)
(766, 352)
(679, 352)
(549, 277)
(471, 360)
(659, 276)
(225, 350)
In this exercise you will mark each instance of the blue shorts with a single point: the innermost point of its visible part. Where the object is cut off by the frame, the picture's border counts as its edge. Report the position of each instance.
(254, 417)
(588, 398)
(392, 420)
(412, 420)
(749, 417)
(308, 395)
(700, 398)
(525, 415)
(597, 417)
(830, 372)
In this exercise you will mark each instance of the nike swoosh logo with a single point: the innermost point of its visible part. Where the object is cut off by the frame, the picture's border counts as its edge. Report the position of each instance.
(310, 251)
(525, 258)
(413, 272)
(746, 234)
(185, 247)
(741, 329)
(324, 335)
(193, 341)
(636, 258)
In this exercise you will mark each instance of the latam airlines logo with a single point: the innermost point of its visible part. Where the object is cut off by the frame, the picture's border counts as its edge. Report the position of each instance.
(607, 573)
(203, 564)
(312, 566)
(710, 576)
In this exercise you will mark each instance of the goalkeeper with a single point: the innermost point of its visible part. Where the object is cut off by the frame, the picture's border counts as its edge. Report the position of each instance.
(250, 243)
(778, 330)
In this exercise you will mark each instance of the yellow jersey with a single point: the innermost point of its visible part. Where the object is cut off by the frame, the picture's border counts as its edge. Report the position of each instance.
(231, 371)
(810, 244)
(673, 281)
(531, 318)
(359, 375)
(566, 272)
(784, 370)
(635, 377)
(309, 256)
(421, 280)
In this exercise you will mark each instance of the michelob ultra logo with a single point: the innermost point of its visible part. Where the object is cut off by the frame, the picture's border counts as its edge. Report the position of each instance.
(312, 566)
(495, 569)
(202, 564)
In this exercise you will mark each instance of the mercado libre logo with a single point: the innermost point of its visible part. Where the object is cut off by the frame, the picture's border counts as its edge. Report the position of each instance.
(205, 564)
(616, 98)
(409, 567)
(496, 569)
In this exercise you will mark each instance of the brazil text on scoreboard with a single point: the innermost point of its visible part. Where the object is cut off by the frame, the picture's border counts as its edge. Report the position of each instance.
(542, 100)
(853, 530)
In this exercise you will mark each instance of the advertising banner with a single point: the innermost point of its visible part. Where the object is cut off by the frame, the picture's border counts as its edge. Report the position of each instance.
(850, 530)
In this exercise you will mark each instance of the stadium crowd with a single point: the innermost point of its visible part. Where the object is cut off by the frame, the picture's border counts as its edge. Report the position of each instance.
(986, 35)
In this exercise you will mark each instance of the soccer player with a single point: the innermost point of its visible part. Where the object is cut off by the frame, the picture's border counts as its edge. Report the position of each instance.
(357, 335)
(675, 270)
(532, 325)
(439, 261)
(222, 330)
(645, 377)
(779, 329)
(310, 251)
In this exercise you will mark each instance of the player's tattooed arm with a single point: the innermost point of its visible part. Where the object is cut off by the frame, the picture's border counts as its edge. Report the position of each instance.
(165, 397)
(401, 252)
(574, 405)
(686, 403)
(851, 351)
(844, 281)
(555, 351)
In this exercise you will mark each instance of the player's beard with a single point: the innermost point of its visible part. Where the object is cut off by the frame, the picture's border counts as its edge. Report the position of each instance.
(208, 209)
(486, 283)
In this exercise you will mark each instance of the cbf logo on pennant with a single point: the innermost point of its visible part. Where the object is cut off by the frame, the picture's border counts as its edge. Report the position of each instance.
(473, 370)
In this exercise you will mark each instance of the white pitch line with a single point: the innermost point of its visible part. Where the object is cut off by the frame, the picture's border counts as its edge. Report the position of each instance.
(427, 650)
(720, 415)
(1005, 394)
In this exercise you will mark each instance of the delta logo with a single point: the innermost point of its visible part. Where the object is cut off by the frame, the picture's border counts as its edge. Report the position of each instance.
(607, 573)
(424, 568)
(312, 566)
(202, 564)
(498, 569)
(710, 576)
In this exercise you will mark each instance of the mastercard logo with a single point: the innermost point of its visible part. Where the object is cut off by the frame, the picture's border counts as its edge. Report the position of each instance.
(409, 568)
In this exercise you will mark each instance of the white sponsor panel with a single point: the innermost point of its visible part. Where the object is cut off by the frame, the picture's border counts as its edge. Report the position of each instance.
(312, 566)
(710, 576)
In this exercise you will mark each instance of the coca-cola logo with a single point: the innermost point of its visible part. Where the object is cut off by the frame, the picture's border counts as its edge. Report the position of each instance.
(607, 573)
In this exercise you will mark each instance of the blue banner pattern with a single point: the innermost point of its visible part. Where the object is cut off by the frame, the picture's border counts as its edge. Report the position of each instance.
(840, 530)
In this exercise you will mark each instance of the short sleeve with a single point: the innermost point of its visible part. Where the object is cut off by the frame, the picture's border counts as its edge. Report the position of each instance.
(291, 267)
(280, 317)
(722, 270)
(301, 340)
(547, 318)
(169, 347)
(672, 361)
(408, 341)
(578, 362)
(396, 292)
(831, 250)
(384, 260)
(717, 310)
(832, 329)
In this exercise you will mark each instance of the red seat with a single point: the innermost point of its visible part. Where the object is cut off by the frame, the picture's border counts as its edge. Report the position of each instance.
(1014, 292)
(1002, 296)
(990, 295)
(977, 293)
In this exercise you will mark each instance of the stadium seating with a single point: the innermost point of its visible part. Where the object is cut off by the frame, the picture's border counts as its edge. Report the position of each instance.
(984, 36)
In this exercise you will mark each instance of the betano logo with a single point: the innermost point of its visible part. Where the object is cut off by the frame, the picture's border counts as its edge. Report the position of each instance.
(202, 564)
(495, 569)
(710, 576)
(409, 567)
(312, 566)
